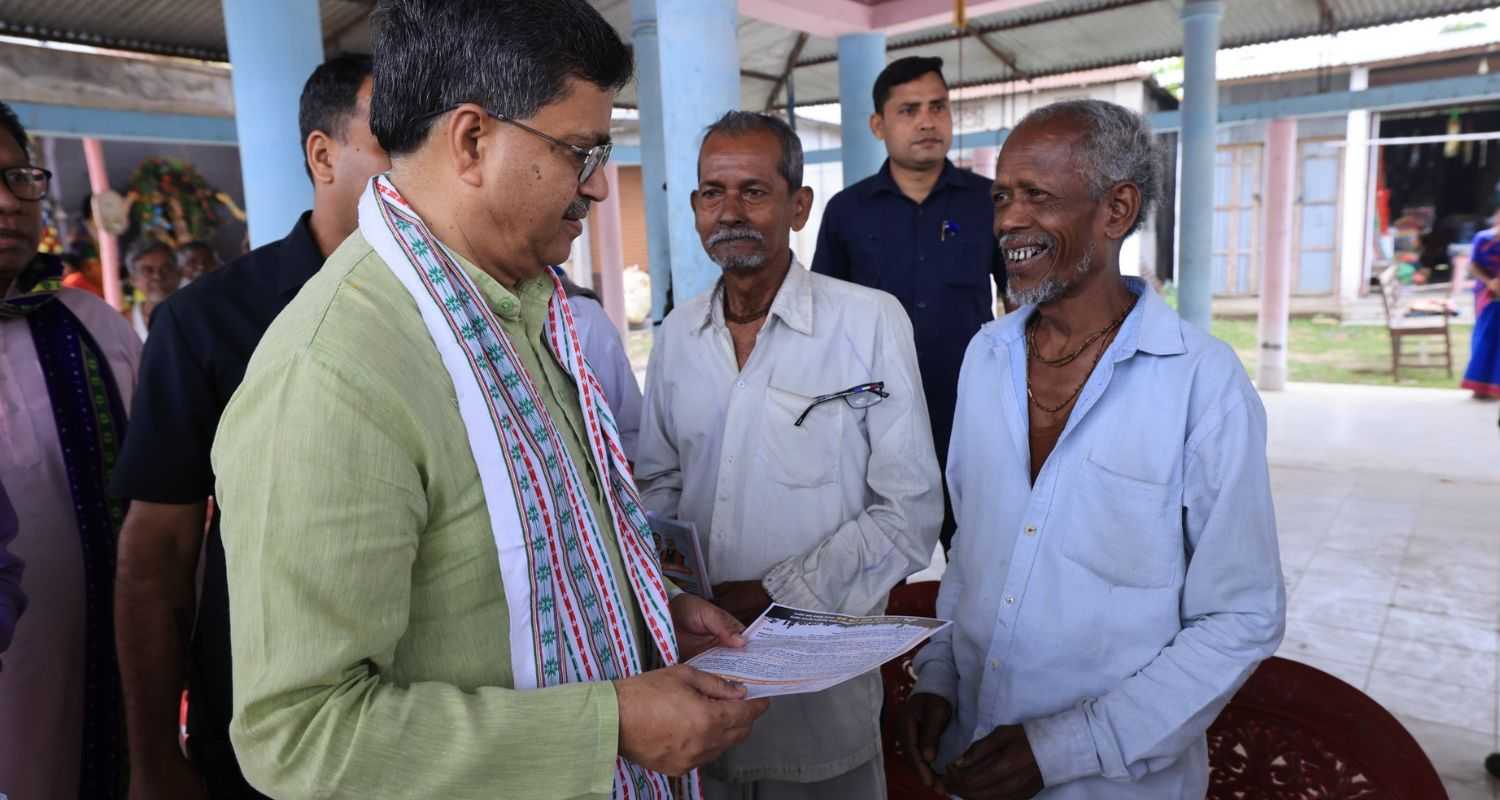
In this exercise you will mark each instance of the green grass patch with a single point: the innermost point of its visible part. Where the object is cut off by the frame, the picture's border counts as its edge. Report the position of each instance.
(1323, 351)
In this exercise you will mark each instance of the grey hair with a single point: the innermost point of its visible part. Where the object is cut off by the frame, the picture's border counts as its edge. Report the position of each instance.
(145, 246)
(1117, 148)
(739, 123)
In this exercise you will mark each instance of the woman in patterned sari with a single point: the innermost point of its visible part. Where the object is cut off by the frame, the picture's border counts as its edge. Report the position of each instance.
(1483, 375)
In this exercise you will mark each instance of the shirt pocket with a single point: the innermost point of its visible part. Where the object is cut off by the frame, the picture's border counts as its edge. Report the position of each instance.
(806, 455)
(1126, 530)
(966, 275)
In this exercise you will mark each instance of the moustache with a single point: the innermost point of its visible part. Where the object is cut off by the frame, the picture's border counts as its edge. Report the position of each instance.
(723, 235)
(578, 209)
(1013, 241)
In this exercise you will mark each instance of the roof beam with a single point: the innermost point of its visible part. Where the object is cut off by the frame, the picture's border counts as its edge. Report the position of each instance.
(826, 18)
(760, 76)
(143, 126)
(791, 64)
(9, 28)
(905, 16)
(1326, 17)
(1006, 57)
(1443, 92)
(1025, 21)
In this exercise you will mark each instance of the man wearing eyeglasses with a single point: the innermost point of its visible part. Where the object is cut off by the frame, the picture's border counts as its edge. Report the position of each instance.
(441, 580)
(785, 419)
(67, 370)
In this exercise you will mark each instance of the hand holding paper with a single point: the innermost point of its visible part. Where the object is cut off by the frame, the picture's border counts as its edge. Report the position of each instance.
(793, 651)
(700, 625)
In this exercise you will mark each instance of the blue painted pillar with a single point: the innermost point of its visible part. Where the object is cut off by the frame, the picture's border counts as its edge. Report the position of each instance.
(861, 58)
(1200, 119)
(273, 46)
(653, 152)
(691, 77)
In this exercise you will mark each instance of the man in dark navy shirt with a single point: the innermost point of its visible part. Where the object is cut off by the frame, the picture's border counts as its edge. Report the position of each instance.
(921, 229)
(201, 340)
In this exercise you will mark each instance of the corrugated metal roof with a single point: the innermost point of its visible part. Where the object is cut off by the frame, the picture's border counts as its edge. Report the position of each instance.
(186, 28)
(1046, 38)
(1068, 35)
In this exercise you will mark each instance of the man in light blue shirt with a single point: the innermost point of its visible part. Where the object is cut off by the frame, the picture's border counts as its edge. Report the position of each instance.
(1116, 577)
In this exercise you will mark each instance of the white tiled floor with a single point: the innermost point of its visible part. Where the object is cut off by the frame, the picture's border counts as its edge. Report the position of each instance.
(1388, 505)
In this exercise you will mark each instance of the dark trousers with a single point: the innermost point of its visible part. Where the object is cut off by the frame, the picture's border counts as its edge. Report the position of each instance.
(216, 762)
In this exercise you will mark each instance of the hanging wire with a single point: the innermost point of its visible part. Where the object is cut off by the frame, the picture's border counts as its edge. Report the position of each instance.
(961, 23)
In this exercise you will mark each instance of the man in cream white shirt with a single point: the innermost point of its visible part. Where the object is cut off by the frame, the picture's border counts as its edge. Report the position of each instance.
(785, 419)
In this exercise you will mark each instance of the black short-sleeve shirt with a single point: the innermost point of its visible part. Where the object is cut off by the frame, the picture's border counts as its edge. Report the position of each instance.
(200, 343)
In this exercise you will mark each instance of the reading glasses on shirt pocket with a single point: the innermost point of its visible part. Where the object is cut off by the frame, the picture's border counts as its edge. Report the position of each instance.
(858, 397)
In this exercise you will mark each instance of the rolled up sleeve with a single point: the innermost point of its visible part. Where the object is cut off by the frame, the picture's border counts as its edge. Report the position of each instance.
(325, 511)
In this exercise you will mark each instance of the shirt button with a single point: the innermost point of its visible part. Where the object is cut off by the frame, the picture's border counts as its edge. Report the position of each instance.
(740, 384)
(1010, 599)
(994, 663)
(1030, 530)
(507, 306)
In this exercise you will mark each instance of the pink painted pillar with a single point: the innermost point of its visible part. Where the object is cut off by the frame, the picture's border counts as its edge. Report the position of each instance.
(1276, 274)
(609, 251)
(984, 161)
(109, 246)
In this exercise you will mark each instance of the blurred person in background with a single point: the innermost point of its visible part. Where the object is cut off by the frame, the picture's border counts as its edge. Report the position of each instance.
(196, 259)
(1483, 374)
(154, 274)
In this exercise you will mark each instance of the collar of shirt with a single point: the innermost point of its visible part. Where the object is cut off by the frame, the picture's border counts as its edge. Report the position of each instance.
(884, 182)
(298, 258)
(1150, 328)
(793, 304)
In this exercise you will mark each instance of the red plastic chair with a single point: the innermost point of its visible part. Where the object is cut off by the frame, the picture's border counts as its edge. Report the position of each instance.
(901, 782)
(1292, 732)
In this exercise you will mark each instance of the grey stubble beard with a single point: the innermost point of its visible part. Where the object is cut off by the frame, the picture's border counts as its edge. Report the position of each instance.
(1051, 287)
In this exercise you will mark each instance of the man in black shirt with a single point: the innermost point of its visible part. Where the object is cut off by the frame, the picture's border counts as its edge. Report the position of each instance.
(921, 229)
(201, 340)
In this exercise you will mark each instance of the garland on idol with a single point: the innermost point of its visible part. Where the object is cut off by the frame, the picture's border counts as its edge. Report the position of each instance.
(171, 202)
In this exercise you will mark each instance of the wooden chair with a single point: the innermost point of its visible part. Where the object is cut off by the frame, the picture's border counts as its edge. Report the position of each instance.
(1403, 322)
(1291, 733)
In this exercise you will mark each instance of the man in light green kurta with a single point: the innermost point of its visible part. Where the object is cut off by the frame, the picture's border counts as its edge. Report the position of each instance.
(369, 622)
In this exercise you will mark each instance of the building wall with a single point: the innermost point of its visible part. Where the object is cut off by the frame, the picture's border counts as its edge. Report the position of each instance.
(632, 218)
(1310, 131)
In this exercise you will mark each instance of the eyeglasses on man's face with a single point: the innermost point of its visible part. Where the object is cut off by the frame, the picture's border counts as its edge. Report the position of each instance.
(857, 397)
(590, 158)
(26, 183)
